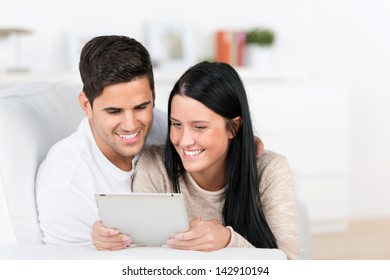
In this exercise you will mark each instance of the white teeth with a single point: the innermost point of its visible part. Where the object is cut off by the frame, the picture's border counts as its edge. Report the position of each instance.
(193, 153)
(128, 136)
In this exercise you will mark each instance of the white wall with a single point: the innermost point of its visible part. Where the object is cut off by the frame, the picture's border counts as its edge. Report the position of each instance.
(339, 40)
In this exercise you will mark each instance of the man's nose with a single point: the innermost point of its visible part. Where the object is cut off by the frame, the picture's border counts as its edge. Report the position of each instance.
(129, 122)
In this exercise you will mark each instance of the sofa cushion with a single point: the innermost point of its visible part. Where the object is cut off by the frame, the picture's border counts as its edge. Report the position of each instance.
(33, 116)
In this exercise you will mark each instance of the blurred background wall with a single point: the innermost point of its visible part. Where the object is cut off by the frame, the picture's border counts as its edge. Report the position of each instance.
(340, 40)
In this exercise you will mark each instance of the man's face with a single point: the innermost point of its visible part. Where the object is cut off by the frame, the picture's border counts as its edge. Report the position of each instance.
(120, 119)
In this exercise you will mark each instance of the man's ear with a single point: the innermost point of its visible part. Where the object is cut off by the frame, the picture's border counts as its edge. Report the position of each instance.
(234, 126)
(85, 104)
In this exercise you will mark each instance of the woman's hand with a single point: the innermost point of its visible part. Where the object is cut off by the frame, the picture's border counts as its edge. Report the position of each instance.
(202, 236)
(108, 239)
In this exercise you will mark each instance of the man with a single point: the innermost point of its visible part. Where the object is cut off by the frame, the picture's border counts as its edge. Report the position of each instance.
(118, 100)
(101, 156)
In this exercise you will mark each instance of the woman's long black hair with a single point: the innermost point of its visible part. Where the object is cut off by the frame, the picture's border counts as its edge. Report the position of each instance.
(219, 87)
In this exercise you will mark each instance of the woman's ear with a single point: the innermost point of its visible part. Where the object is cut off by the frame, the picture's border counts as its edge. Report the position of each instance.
(234, 126)
(85, 104)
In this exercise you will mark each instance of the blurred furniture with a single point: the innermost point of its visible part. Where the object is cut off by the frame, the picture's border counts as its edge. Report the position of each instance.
(15, 33)
(309, 124)
(11, 79)
(6, 32)
(33, 116)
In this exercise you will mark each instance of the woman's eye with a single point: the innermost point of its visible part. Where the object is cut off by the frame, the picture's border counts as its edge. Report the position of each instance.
(200, 127)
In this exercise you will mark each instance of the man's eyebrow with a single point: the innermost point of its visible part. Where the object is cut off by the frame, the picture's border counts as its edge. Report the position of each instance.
(120, 108)
(111, 108)
(143, 104)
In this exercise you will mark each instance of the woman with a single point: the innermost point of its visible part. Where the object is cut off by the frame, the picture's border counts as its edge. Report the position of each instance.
(232, 199)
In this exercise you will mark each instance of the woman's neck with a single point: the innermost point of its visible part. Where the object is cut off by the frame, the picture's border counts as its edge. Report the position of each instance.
(209, 182)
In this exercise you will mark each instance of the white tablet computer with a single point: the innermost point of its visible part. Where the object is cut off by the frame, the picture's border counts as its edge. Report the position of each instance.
(149, 218)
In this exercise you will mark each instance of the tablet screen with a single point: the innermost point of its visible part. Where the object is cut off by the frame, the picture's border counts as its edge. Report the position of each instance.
(148, 218)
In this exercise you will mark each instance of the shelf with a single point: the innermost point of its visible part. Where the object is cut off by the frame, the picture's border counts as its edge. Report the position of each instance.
(161, 76)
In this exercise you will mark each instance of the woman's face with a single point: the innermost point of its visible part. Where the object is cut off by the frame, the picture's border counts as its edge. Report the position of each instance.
(200, 136)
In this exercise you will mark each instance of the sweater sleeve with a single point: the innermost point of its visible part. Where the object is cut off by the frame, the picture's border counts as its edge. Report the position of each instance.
(236, 240)
(279, 203)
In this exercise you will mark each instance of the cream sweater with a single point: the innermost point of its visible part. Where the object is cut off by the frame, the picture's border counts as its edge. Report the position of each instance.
(276, 194)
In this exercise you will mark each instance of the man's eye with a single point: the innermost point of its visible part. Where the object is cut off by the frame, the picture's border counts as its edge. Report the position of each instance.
(142, 107)
(113, 112)
(200, 127)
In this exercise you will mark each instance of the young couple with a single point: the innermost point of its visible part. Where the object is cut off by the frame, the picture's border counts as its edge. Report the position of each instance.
(232, 198)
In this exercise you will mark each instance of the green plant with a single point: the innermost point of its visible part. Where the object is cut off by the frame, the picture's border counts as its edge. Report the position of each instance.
(263, 37)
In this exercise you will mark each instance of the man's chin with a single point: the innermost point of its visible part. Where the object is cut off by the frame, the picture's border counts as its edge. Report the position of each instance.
(132, 151)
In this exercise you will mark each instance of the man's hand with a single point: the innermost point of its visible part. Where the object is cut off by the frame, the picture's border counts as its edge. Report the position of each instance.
(259, 147)
(108, 239)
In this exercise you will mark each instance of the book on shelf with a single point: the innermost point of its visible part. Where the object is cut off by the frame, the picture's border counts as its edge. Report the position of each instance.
(230, 47)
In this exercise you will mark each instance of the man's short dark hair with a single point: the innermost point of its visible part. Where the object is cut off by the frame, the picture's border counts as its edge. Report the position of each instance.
(113, 59)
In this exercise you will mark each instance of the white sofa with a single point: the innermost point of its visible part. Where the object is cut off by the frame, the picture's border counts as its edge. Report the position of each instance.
(33, 116)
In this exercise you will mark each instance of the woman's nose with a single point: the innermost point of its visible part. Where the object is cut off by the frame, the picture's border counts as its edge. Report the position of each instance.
(187, 139)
